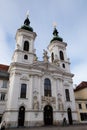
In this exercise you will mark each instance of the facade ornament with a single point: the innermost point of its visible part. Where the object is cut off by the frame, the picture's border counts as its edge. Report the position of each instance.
(35, 57)
(35, 103)
(45, 55)
(60, 103)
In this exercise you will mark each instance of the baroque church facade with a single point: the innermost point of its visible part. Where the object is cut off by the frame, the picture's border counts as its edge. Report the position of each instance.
(39, 92)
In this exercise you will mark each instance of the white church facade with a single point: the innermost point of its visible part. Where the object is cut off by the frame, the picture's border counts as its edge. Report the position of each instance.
(39, 92)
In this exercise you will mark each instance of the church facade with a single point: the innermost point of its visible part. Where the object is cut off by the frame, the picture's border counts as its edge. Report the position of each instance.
(40, 92)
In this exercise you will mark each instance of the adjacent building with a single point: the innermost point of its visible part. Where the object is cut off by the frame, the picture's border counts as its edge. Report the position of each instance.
(4, 77)
(39, 92)
(81, 101)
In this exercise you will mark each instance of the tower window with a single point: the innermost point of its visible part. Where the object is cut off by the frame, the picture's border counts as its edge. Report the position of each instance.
(61, 55)
(23, 91)
(26, 46)
(25, 57)
(67, 95)
(47, 87)
(63, 65)
(52, 57)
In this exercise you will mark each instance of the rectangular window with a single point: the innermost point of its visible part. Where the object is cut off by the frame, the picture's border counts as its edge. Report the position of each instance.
(2, 96)
(83, 116)
(4, 84)
(67, 94)
(86, 106)
(23, 91)
(80, 106)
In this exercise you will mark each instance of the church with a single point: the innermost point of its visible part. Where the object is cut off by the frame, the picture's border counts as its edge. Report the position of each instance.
(39, 92)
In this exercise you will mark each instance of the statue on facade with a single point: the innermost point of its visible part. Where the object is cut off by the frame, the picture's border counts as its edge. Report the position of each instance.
(35, 103)
(45, 55)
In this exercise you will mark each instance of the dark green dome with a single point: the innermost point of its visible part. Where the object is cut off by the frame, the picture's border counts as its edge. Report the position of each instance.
(26, 25)
(56, 36)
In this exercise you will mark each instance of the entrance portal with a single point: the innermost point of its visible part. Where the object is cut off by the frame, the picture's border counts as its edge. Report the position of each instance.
(69, 112)
(48, 115)
(21, 116)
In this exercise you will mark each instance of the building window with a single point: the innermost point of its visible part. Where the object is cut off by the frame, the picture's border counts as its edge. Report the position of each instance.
(52, 57)
(61, 55)
(80, 106)
(86, 106)
(25, 57)
(2, 96)
(26, 46)
(4, 84)
(47, 87)
(23, 91)
(63, 65)
(67, 94)
(83, 116)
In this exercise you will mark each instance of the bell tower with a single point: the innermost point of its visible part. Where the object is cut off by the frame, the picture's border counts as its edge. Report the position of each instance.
(24, 51)
(57, 49)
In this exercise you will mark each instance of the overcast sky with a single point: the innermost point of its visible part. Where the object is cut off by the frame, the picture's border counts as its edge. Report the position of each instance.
(71, 19)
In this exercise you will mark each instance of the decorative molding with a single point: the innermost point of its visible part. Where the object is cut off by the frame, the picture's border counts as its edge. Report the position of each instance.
(48, 100)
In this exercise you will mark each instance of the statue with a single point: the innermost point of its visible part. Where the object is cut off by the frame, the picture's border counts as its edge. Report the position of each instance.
(45, 56)
(35, 104)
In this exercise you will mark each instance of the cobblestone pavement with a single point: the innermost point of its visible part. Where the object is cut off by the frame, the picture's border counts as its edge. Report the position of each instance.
(73, 127)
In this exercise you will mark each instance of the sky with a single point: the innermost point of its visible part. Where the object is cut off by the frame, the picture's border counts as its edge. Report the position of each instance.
(71, 19)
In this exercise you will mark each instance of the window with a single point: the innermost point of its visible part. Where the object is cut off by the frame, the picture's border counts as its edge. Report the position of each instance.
(83, 116)
(47, 87)
(4, 84)
(2, 96)
(52, 57)
(67, 95)
(86, 106)
(63, 65)
(61, 55)
(23, 91)
(80, 106)
(25, 57)
(26, 46)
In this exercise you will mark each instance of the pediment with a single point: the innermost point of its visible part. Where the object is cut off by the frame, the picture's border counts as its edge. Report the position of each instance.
(48, 67)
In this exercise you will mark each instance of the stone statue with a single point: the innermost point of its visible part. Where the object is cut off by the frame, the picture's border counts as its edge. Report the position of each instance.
(45, 56)
(35, 104)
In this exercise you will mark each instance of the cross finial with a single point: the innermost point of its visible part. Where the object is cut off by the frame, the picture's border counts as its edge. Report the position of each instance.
(54, 24)
(27, 13)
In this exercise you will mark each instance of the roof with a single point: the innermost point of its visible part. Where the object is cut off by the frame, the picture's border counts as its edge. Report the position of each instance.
(82, 85)
(4, 67)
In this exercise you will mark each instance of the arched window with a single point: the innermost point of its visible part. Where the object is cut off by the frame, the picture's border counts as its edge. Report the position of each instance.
(52, 57)
(61, 55)
(25, 57)
(26, 46)
(47, 87)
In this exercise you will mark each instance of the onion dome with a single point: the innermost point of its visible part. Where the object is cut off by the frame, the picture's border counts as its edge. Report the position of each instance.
(56, 36)
(26, 25)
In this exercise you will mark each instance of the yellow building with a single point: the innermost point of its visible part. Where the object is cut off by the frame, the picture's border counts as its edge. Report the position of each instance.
(81, 101)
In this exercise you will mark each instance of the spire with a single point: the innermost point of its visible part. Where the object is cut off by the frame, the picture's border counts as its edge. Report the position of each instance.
(55, 34)
(26, 25)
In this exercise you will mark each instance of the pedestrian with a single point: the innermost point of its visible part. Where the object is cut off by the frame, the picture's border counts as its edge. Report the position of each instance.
(64, 121)
(3, 125)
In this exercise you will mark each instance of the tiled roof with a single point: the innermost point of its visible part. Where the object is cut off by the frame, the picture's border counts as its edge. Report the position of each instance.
(82, 85)
(4, 67)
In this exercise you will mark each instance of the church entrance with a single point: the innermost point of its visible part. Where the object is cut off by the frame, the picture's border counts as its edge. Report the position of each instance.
(48, 115)
(21, 116)
(69, 112)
